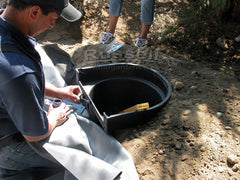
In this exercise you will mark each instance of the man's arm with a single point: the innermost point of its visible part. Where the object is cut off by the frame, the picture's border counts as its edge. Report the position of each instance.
(68, 92)
(22, 98)
(56, 117)
(51, 126)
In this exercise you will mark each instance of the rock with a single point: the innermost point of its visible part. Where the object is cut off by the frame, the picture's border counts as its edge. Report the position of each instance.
(178, 85)
(211, 157)
(187, 112)
(178, 146)
(235, 168)
(232, 159)
(228, 128)
(221, 43)
(193, 87)
(161, 152)
(220, 169)
(218, 114)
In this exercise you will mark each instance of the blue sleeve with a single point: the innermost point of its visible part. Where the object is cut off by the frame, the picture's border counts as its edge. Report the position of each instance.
(23, 99)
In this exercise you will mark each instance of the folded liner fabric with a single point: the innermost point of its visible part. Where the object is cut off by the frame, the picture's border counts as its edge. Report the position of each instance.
(80, 145)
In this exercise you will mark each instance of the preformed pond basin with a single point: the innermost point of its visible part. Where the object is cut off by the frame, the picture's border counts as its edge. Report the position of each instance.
(112, 88)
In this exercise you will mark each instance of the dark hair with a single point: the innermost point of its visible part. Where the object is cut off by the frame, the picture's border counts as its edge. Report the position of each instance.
(21, 4)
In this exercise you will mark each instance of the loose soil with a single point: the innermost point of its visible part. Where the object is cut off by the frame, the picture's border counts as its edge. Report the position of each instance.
(196, 135)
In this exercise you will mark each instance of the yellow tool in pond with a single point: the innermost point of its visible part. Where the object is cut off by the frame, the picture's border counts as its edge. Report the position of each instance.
(136, 107)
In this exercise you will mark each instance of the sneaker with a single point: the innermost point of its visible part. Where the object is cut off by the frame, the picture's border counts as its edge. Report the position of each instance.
(107, 37)
(139, 42)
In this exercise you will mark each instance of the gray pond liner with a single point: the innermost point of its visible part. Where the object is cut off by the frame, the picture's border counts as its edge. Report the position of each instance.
(112, 88)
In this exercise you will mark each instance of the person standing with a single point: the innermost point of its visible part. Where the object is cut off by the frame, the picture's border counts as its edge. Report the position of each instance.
(147, 16)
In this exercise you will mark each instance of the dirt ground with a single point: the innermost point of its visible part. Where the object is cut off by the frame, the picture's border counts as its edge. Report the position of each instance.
(197, 134)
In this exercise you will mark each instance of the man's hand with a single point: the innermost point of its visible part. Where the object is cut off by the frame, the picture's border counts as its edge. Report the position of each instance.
(71, 92)
(68, 92)
(56, 117)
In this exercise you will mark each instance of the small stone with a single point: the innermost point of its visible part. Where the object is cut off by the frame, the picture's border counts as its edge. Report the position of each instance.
(222, 43)
(193, 87)
(187, 112)
(178, 85)
(232, 159)
(161, 152)
(220, 168)
(178, 146)
(228, 128)
(219, 114)
(235, 168)
(212, 158)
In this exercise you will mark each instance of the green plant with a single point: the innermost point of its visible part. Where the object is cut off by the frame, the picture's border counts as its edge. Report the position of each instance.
(192, 29)
(218, 6)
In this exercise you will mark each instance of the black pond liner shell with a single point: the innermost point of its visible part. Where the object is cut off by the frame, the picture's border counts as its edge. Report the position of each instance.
(111, 88)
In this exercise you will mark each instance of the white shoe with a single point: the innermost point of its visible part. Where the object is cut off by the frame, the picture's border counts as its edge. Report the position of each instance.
(107, 37)
(139, 42)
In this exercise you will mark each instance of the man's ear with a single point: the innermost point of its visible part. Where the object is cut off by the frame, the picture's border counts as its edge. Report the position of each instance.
(34, 12)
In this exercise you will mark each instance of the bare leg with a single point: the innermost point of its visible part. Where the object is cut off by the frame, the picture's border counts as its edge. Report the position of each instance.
(144, 30)
(112, 23)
